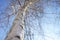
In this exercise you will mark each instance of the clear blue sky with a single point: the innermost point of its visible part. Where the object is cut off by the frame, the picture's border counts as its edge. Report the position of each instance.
(3, 4)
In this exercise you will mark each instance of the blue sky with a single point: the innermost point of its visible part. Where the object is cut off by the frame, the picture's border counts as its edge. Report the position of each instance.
(50, 22)
(3, 4)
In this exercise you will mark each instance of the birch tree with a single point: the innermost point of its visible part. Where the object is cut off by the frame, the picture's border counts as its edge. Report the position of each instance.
(33, 18)
(28, 16)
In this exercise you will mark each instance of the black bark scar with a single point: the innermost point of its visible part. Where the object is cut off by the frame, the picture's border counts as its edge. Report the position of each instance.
(17, 37)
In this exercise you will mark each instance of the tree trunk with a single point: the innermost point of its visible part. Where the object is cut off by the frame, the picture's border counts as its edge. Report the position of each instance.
(17, 30)
(25, 20)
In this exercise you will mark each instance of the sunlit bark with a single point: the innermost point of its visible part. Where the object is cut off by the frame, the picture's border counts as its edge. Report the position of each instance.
(27, 22)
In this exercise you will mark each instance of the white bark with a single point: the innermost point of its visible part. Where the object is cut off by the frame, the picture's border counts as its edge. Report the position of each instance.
(17, 30)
